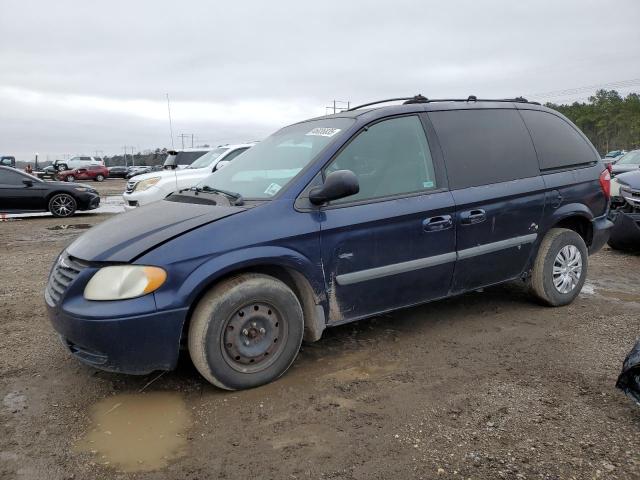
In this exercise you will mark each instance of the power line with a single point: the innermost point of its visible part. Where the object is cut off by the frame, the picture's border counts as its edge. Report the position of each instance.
(589, 88)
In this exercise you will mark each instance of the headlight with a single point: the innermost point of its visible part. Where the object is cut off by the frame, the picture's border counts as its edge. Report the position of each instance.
(145, 184)
(85, 189)
(124, 281)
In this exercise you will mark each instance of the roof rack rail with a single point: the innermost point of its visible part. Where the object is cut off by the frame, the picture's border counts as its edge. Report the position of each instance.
(422, 99)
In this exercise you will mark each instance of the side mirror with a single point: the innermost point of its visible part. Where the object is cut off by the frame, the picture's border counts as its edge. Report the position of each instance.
(338, 184)
(221, 164)
(27, 182)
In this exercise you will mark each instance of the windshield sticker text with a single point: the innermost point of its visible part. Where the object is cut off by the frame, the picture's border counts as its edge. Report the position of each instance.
(323, 132)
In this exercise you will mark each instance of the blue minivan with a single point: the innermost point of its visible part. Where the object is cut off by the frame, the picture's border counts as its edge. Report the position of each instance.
(332, 220)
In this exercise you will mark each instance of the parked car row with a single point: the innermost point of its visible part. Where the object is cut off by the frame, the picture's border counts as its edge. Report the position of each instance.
(328, 221)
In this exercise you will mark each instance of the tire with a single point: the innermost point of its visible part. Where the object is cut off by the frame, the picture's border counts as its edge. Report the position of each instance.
(550, 267)
(62, 167)
(236, 327)
(62, 205)
(70, 178)
(99, 178)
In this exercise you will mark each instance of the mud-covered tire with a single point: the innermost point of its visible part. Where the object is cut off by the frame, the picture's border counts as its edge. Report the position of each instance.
(549, 257)
(236, 327)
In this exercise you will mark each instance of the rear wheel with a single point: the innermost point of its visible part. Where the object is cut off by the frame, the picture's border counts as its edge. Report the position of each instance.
(62, 205)
(560, 268)
(246, 331)
(99, 178)
(70, 178)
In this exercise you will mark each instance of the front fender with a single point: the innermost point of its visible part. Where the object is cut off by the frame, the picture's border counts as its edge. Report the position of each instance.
(217, 267)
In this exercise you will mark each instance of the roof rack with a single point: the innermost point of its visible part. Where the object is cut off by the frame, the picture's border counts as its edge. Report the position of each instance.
(422, 99)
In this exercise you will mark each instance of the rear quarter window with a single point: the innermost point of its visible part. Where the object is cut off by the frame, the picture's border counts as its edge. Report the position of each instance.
(558, 143)
(482, 147)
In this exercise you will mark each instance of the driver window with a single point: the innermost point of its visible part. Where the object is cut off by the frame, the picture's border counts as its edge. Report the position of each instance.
(389, 158)
(11, 178)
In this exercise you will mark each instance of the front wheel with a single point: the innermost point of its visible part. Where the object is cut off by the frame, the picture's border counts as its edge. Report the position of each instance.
(62, 205)
(99, 178)
(70, 178)
(246, 331)
(560, 268)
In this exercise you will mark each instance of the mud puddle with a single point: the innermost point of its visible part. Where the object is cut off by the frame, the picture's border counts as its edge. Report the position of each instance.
(74, 226)
(137, 432)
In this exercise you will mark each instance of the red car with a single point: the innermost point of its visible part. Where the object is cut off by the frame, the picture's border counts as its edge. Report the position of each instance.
(91, 172)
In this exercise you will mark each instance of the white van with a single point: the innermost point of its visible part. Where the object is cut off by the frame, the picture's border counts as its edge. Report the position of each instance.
(154, 186)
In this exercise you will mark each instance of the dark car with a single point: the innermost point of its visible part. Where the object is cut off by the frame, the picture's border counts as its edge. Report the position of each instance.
(333, 220)
(625, 213)
(118, 171)
(629, 162)
(21, 192)
(96, 173)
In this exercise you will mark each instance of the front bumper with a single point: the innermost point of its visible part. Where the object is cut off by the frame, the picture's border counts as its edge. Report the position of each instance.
(625, 233)
(89, 202)
(136, 344)
(136, 199)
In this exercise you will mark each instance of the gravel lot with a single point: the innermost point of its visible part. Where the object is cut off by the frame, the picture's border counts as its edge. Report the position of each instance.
(488, 385)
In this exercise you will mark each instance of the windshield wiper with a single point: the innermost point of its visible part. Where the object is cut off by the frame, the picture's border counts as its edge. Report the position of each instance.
(236, 197)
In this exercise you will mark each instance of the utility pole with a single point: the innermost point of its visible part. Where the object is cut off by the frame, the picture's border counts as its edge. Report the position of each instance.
(182, 136)
(338, 106)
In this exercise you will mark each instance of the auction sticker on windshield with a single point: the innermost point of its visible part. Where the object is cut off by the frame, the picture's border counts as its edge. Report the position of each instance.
(323, 132)
(272, 189)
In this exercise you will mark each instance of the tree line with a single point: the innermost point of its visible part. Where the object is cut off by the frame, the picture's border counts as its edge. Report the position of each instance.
(610, 121)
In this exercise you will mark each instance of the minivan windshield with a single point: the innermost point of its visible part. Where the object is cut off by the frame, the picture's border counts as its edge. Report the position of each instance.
(631, 158)
(208, 158)
(263, 170)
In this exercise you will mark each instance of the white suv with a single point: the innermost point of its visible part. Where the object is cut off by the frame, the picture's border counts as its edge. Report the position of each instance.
(77, 162)
(154, 186)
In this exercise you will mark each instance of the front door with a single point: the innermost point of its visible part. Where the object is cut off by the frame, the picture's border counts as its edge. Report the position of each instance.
(393, 243)
(15, 195)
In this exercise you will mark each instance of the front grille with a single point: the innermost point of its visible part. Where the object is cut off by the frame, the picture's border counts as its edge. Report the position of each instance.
(64, 272)
(631, 196)
(131, 186)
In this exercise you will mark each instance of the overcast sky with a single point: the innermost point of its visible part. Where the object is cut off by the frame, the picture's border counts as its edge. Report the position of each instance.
(84, 76)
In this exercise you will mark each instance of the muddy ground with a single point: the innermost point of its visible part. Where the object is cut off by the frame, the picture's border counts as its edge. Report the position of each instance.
(484, 386)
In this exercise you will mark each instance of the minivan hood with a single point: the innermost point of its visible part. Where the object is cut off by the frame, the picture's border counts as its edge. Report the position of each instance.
(128, 235)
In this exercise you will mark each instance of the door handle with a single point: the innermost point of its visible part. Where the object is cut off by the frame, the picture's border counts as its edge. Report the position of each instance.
(436, 224)
(471, 217)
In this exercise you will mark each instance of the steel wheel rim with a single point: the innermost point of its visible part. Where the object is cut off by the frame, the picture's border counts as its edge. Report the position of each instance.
(567, 269)
(253, 337)
(62, 205)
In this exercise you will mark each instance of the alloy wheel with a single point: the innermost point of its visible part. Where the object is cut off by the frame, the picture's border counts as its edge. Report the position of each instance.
(62, 205)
